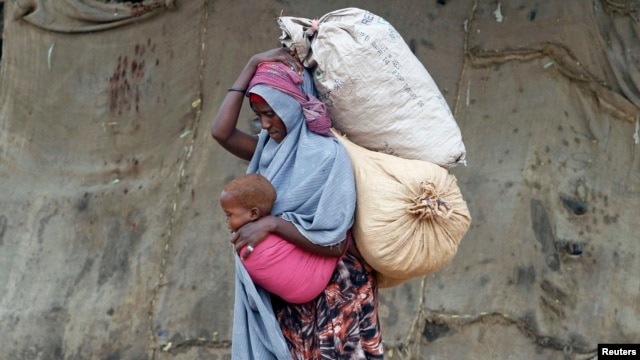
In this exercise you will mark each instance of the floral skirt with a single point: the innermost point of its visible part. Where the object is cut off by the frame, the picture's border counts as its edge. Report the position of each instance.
(341, 323)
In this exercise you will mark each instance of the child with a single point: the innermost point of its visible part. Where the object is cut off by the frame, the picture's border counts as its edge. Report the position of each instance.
(280, 267)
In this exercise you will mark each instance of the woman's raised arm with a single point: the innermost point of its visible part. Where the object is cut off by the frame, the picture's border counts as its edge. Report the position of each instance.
(224, 128)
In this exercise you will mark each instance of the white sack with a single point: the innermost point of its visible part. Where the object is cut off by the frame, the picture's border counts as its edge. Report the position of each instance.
(376, 90)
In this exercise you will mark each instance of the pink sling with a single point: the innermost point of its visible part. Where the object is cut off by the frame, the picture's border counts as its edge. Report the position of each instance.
(286, 270)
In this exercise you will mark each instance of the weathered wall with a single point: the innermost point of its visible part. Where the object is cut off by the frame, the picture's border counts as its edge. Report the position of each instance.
(112, 245)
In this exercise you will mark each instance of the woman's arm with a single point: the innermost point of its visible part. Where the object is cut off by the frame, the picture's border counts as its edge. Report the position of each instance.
(224, 128)
(254, 232)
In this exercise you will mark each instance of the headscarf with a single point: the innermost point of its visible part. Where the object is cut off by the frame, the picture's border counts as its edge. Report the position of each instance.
(283, 78)
(311, 173)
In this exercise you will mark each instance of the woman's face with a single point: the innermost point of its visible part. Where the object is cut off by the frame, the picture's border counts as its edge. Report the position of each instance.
(237, 215)
(270, 121)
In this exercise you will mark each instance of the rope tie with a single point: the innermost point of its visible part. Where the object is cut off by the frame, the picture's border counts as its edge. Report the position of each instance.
(311, 31)
(429, 204)
(315, 25)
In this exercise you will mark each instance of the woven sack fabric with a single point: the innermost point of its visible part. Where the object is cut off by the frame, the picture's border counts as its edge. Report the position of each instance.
(376, 90)
(410, 214)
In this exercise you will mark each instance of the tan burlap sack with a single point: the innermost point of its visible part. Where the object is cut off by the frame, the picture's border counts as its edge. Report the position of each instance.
(376, 90)
(410, 214)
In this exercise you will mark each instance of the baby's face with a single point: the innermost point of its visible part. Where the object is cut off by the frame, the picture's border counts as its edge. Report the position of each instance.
(237, 215)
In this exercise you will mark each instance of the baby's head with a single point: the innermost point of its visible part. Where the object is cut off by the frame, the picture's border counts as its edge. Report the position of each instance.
(247, 198)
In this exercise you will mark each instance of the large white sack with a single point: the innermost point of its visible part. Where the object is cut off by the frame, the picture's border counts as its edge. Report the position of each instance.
(376, 90)
(410, 214)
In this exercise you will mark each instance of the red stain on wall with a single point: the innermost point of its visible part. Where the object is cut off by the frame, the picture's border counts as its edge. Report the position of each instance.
(126, 82)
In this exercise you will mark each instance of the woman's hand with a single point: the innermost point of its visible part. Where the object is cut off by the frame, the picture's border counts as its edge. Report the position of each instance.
(282, 55)
(251, 234)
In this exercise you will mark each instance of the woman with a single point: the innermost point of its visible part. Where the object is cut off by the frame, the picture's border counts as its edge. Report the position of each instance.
(314, 210)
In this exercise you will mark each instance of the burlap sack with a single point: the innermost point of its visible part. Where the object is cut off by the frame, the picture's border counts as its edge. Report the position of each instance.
(376, 90)
(410, 214)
